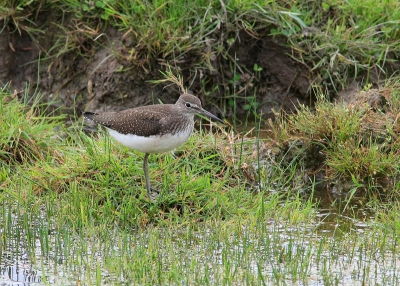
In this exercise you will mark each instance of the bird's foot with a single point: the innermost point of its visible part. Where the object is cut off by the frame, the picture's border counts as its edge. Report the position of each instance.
(153, 194)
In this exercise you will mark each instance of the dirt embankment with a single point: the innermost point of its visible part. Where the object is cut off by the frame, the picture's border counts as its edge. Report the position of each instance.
(102, 68)
(100, 73)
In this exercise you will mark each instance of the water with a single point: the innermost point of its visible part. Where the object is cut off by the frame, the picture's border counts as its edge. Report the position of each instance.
(18, 271)
(35, 251)
(16, 267)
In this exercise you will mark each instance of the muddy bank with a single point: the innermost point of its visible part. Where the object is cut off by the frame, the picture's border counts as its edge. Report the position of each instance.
(101, 73)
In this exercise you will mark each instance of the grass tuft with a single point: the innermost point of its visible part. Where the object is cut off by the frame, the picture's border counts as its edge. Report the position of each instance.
(352, 146)
(26, 133)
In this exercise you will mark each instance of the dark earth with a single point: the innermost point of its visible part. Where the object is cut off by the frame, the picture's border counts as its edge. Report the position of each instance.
(94, 79)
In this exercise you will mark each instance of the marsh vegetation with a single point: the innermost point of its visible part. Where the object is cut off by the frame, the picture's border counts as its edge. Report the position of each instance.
(308, 197)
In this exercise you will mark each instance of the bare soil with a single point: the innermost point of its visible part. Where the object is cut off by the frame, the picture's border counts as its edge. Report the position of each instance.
(99, 78)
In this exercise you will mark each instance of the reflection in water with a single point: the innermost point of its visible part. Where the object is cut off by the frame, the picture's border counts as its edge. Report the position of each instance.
(336, 218)
(19, 273)
(33, 252)
(15, 265)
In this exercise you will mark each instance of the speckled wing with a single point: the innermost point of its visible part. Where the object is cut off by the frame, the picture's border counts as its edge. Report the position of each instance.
(142, 121)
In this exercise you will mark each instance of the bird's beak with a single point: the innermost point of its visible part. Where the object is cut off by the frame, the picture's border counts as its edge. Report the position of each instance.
(209, 114)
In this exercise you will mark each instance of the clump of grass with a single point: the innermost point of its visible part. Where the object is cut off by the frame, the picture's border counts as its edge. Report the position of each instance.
(354, 147)
(26, 134)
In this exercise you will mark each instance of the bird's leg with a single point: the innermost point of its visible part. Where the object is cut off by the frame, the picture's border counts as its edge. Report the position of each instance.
(152, 193)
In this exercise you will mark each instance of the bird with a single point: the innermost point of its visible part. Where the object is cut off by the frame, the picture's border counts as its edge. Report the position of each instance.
(153, 128)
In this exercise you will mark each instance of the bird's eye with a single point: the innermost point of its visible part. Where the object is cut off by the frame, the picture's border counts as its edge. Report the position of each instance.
(188, 104)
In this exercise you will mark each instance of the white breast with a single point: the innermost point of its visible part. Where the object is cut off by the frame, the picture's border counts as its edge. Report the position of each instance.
(152, 144)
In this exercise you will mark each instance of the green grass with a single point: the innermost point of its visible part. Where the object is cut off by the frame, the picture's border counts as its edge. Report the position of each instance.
(25, 135)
